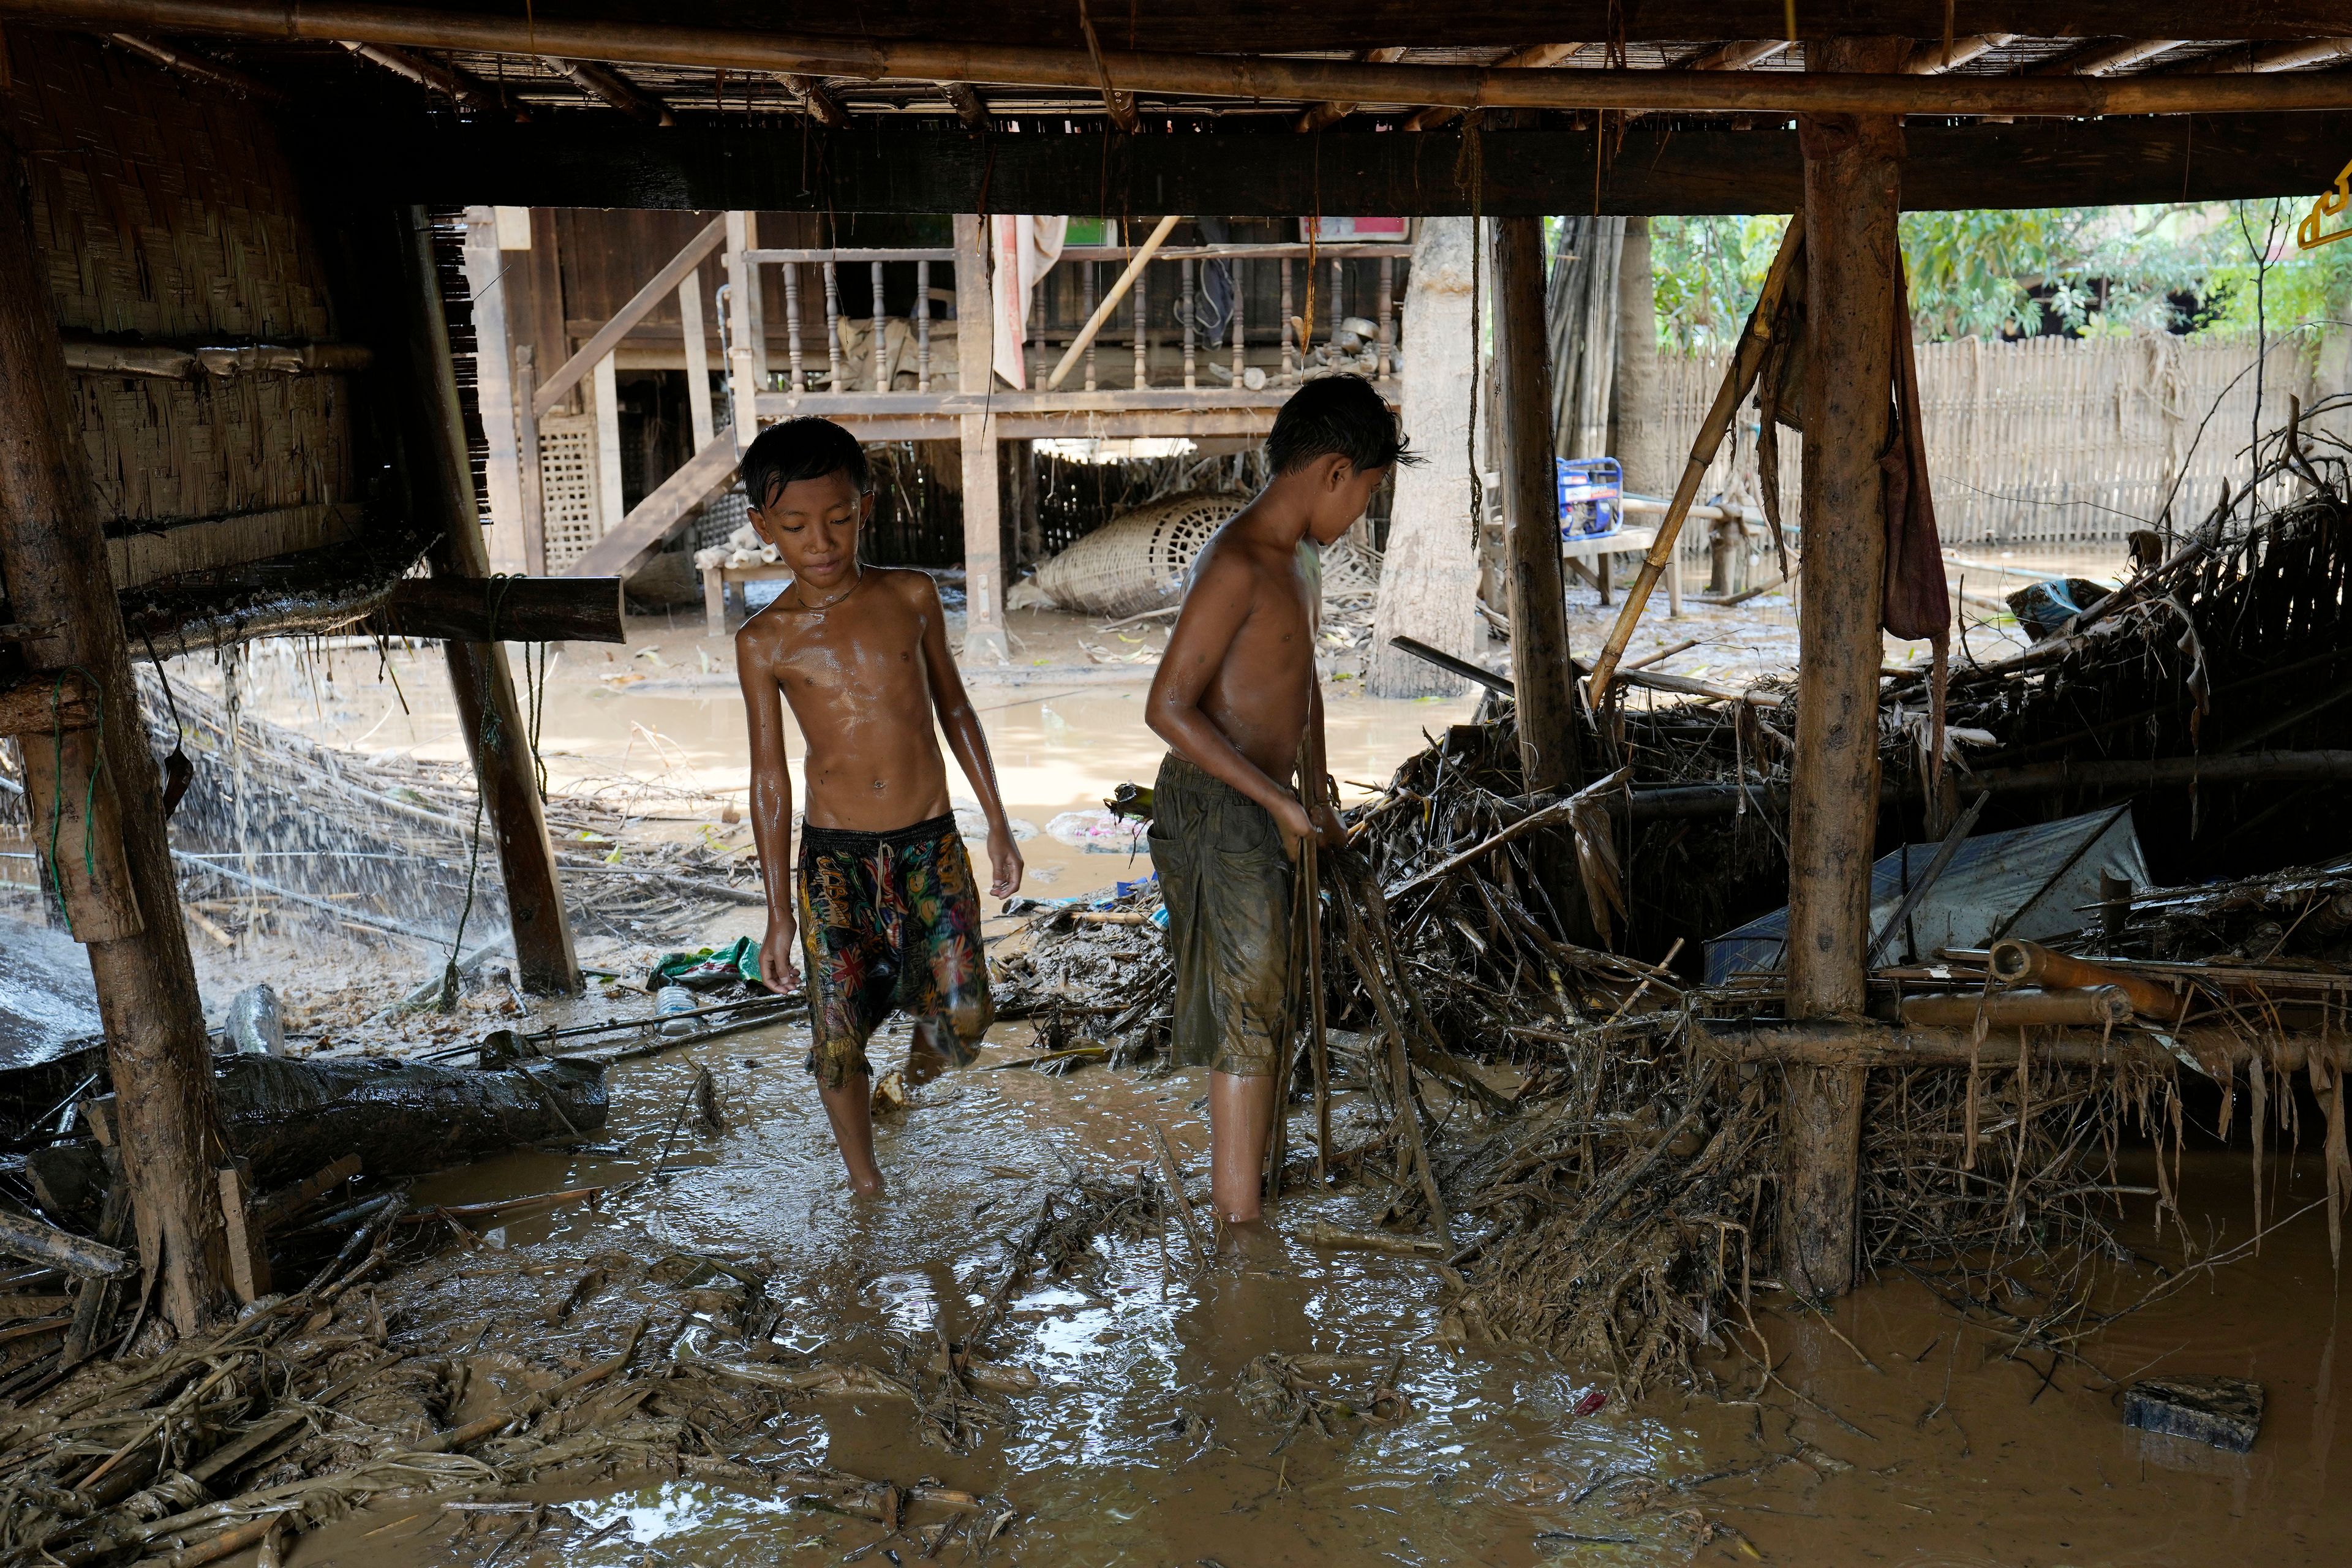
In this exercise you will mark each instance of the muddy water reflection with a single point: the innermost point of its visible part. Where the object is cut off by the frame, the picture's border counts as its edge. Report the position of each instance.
(1136, 1449)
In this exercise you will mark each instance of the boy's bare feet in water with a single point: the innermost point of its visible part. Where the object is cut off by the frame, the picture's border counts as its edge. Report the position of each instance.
(848, 1108)
(1241, 1114)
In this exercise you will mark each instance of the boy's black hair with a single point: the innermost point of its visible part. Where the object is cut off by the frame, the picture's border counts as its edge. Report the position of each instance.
(807, 448)
(1339, 413)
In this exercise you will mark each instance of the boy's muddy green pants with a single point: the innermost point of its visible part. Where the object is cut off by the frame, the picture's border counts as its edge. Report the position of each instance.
(1227, 884)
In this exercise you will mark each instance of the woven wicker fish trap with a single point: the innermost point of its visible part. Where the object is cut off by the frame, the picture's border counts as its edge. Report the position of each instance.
(1142, 561)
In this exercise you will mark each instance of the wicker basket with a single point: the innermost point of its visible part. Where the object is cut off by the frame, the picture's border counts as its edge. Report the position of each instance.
(1142, 561)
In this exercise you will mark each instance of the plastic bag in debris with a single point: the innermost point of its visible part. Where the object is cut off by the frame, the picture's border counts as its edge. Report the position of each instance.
(2043, 608)
(708, 968)
(1103, 899)
(1097, 832)
(2030, 882)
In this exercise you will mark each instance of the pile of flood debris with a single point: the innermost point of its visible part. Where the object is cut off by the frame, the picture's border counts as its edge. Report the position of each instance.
(389, 847)
(1592, 1135)
(392, 1348)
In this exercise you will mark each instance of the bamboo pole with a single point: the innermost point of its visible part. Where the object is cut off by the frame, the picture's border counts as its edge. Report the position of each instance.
(441, 487)
(632, 42)
(1117, 291)
(1739, 377)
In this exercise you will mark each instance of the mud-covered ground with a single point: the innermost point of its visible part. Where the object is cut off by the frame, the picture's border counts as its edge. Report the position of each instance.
(1138, 1447)
(1889, 1433)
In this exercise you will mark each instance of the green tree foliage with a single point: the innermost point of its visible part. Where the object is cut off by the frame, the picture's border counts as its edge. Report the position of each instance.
(2020, 273)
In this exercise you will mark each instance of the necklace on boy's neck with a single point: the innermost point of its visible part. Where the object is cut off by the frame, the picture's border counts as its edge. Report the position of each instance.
(857, 580)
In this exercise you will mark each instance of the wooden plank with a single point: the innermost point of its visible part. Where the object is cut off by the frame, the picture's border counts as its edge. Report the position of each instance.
(504, 609)
(214, 544)
(1855, 1045)
(608, 337)
(949, 51)
(1650, 170)
(653, 518)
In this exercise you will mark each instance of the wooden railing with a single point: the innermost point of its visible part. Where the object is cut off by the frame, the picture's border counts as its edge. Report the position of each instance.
(821, 378)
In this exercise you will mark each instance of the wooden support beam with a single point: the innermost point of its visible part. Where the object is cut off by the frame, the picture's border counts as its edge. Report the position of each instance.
(2263, 58)
(598, 348)
(1536, 56)
(460, 87)
(965, 99)
(782, 167)
(441, 487)
(1317, 116)
(817, 99)
(53, 559)
(1853, 174)
(2107, 57)
(983, 569)
(1850, 1046)
(1734, 56)
(569, 44)
(612, 90)
(652, 520)
(1928, 59)
(196, 68)
(1549, 755)
(503, 609)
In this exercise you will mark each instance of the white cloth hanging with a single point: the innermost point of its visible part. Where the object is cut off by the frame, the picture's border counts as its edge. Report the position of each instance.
(1024, 247)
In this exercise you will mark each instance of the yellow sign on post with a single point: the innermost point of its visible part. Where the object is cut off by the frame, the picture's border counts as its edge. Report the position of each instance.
(2331, 201)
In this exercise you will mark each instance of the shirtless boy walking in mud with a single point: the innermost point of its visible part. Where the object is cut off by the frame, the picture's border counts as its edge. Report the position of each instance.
(885, 912)
(1235, 695)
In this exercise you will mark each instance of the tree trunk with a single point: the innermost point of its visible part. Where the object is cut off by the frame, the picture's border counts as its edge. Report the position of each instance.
(441, 486)
(1852, 174)
(1639, 417)
(53, 556)
(1429, 578)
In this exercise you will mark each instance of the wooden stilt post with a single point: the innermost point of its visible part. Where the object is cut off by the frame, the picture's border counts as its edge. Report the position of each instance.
(984, 568)
(54, 560)
(1539, 666)
(1550, 757)
(441, 486)
(1852, 172)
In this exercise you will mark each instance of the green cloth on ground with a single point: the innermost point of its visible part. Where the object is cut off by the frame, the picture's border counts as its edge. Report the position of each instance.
(708, 968)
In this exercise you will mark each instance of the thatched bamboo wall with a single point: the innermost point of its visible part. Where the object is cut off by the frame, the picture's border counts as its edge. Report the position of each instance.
(168, 215)
(2054, 442)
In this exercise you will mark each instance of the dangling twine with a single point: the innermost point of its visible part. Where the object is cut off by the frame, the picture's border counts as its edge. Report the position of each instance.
(1470, 174)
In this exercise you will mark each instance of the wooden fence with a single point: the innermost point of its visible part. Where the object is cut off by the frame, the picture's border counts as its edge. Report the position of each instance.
(2053, 443)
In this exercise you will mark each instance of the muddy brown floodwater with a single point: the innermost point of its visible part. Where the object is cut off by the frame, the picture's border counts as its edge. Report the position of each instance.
(1136, 1449)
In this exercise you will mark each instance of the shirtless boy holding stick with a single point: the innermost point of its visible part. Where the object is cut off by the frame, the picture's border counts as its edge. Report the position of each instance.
(1235, 695)
(887, 913)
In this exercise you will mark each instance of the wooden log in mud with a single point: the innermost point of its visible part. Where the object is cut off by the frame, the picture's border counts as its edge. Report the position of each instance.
(1339, 1238)
(291, 1119)
(21, 1237)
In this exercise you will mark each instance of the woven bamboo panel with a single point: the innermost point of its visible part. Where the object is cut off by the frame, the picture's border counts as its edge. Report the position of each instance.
(162, 450)
(567, 470)
(2050, 443)
(163, 208)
